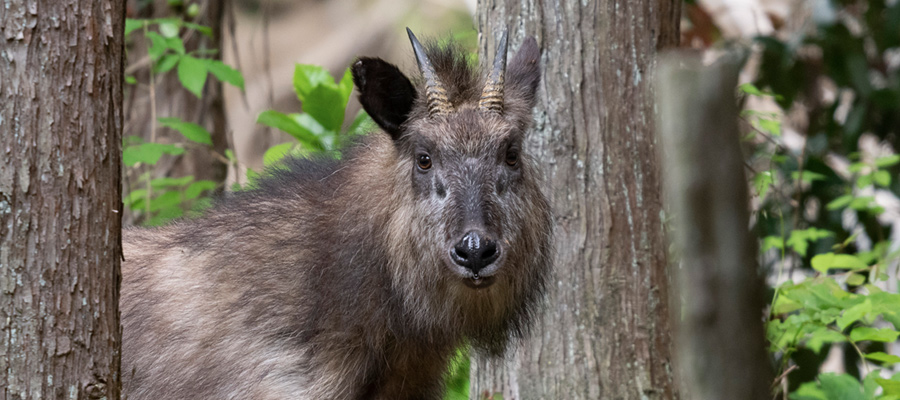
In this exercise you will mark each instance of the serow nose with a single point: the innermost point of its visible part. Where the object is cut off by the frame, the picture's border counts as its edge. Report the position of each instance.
(475, 252)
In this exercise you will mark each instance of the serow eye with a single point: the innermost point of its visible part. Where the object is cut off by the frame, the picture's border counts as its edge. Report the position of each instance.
(423, 161)
(512, 158)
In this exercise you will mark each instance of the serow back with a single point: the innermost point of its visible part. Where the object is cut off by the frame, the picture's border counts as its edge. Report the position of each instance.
(355, 278)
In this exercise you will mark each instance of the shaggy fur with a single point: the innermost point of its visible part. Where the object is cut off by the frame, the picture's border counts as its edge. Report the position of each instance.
(331, 279)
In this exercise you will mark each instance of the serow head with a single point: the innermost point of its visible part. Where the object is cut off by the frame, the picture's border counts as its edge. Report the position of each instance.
(458, 133)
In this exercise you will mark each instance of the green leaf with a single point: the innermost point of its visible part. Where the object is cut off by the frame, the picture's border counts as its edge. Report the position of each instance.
(827, 261)
(169, 198)
(166, 63)
(176, 45)
(773, 242)
(275, 153)
(192, 10)
(133, 24)
(762, 182)
(891, 387)
(873, 334)
(856, 279)
(882, 178)
(749, 88)
(131, 80)
(148, 153)
(840, 202)
(808, 391)
(230, 155)
(841, 387)
(346, 86)
(771, 126)
(225, 73)
(195, 189)
(854, 314)
(823, 335)
(287, 124)
(885, 304)
(164, 215)
(158, 45)
(189, 130)
(362, 123)
(884, 162)
(326, 105)
(192, 74)
(168, 29)
(200, 28)
(307, 77)
(883, 357)
(134, 196)
(808, 176)
(784, 305)
(800, 238)
(252, 175)
(165, 182)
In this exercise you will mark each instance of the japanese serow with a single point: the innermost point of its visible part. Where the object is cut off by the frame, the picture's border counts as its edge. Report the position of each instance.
(355, 277)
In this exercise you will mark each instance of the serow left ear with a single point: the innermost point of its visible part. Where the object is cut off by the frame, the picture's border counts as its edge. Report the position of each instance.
(524, 72)
(384, 92)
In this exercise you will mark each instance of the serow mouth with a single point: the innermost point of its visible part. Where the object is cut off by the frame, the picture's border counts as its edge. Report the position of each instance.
(479, 282)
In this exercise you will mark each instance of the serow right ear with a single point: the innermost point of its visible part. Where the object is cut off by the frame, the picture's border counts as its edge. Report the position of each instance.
(384, 92)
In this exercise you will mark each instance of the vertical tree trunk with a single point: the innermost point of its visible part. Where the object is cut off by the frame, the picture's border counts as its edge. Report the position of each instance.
(605, 332)
(60, 140)
(721, 349)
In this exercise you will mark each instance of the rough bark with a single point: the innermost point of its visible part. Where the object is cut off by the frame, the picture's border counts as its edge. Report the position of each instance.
(60, 139)
(722, 353)
(605, 332)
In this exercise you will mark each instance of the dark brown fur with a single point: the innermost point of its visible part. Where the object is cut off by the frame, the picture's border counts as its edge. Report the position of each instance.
(331, 279)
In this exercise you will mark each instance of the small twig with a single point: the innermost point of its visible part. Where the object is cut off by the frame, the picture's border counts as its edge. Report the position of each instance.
(784, 375)
(142, 63)
(152, 131)
(234, 47)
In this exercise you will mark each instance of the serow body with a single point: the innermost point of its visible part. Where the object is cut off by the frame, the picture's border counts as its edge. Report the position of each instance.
(357, 277)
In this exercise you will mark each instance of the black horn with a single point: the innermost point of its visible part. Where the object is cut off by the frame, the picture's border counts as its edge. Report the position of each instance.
(492, 95)
(435, 93)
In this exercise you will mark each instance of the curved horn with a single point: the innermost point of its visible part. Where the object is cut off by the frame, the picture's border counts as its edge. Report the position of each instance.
(492, 95)
(435, 94)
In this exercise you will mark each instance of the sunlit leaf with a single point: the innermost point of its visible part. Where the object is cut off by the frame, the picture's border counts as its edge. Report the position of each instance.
(873, 334)
(148, 153)
(189, 130)
(225, 73)
(277, 152)
(883, 357)
(192, 74)
(827, 261)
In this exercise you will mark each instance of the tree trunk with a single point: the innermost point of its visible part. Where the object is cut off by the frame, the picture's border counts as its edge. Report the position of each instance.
(722, 351)
(60, 198)
(605, 332)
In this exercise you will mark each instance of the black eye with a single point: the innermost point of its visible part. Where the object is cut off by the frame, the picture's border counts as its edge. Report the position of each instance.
(512, 157)
(423, 161)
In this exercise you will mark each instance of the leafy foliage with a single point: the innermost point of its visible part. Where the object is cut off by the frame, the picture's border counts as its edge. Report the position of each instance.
(160, 199)
(818, 215)
(317, 128)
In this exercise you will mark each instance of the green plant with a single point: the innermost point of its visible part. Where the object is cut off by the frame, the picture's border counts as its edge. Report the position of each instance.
(817, 209)
(157, 200)
(317, 129)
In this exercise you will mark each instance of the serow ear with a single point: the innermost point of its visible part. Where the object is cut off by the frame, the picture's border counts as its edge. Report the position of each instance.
(384, 92)
(524, 72)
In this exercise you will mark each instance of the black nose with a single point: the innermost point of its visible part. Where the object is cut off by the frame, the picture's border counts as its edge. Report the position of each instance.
(475, 252)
